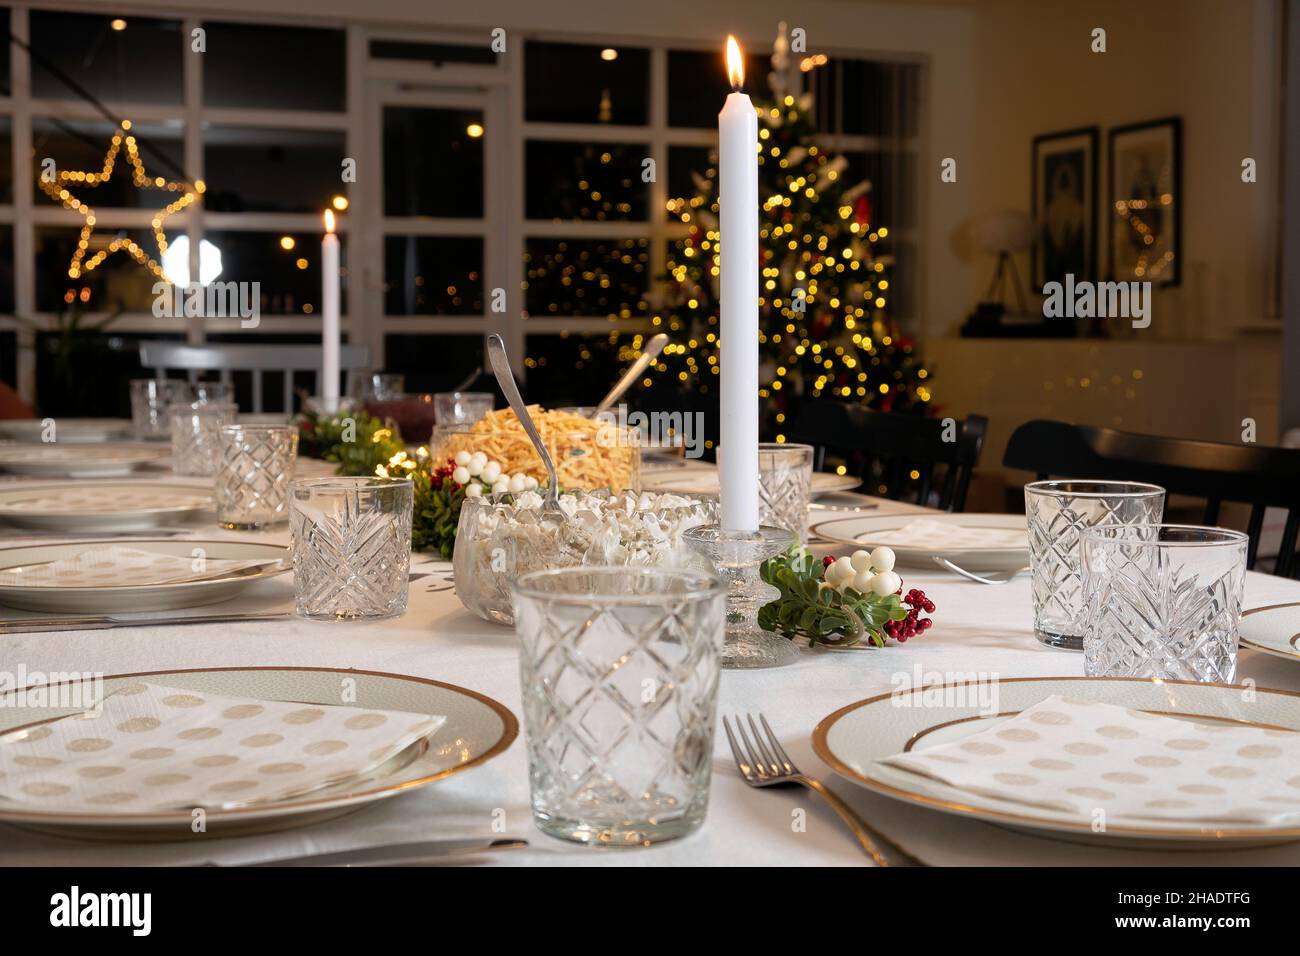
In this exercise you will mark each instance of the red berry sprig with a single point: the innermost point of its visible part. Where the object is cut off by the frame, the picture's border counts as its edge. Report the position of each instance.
(916, 602)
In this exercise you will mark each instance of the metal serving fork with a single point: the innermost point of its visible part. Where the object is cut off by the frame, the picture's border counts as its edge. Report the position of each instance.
(764, 763)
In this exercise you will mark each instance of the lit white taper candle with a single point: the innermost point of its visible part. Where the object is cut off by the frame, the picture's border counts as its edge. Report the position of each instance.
(738, 358)
(330, 334)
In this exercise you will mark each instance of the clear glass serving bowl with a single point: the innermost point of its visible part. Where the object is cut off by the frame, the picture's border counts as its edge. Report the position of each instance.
(503, 536)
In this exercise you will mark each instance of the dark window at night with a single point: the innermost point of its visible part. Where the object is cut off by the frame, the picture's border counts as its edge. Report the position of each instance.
(119, 59)
(266, 67)
(578, 83)
(433, 162)
(433, 275)
(586, 181)
(271, 170)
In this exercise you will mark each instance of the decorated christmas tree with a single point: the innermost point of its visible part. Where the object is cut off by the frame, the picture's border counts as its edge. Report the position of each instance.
(825, 327)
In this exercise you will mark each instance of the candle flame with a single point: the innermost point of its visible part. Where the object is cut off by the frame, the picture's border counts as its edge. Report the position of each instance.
(735, 64)
(329, 220)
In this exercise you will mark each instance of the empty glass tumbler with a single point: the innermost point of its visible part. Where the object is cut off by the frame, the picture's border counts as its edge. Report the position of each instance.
(1058, 512)
(151, 399)
(785, 486)
(351, 546)
(194, 436)
(254, 466)
(1163, 601)
(619, 670)
(450, 408)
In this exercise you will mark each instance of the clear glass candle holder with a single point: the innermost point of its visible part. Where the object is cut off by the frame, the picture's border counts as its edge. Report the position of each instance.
(450, 408)
(151, 401)
(1163, 601)
(194, 430)
(619, 671)
(785, 486)
(351, 546)
(1057, 513)
(254, 467)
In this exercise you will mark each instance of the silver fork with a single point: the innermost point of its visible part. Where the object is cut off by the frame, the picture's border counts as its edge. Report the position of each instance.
(764, 763)
(988, 577)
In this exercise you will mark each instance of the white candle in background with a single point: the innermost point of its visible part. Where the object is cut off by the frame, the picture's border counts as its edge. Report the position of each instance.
(330, 334)
(738, 352)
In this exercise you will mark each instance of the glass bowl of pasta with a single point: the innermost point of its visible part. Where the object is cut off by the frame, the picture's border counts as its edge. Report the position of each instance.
(589, 454)
(503, 536)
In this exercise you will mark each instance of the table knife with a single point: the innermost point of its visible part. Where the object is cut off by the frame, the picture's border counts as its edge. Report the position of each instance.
(394, 853)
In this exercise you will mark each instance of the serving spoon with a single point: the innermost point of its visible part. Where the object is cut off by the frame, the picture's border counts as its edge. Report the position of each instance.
(500, 363)
(648, 355)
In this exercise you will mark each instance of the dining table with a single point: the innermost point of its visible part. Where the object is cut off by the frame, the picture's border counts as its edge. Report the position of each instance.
(980, 632)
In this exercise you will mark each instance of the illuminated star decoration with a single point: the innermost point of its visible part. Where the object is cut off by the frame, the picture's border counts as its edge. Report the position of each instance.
(58, 189)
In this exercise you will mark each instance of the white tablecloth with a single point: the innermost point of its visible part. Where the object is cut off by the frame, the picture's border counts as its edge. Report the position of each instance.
(978, 629)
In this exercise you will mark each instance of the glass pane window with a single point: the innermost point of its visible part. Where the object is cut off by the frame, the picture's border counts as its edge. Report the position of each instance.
(6, 269)
(287, 265)
(433, 363)
(685, 164)
(271, 170)
(553, 360)
(435, 54)
(582, 83)
(594, 182)
(122, 60)
(433, 162)
(893, 196)
(589, 277)
(698, 85)
(433, 275)
(119, 283)
(866, 98)
(6, 159)
(82, 145)
(271, 67)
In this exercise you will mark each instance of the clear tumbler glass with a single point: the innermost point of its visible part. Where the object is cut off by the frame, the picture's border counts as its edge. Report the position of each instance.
(254, 466)
(1163, 601)
(194, 436)
(351, 546)
(1058, 513)
(785, 486)
(619, 669)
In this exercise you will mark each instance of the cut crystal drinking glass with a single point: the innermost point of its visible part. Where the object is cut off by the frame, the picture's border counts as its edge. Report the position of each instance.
(1058, 512)
(619, 670)
(785, 486)
(351, 546)
(254, 466)
(1163, 601)
(194, 436)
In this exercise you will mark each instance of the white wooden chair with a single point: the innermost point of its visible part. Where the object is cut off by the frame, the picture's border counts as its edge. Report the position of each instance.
(159, 356)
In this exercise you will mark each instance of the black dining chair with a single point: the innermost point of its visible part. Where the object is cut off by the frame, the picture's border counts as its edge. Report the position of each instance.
(1257, 475)
(898, 456)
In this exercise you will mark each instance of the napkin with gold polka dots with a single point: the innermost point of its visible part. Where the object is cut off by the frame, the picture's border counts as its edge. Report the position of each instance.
(113, 565)
(1081, 756)
(150, 747)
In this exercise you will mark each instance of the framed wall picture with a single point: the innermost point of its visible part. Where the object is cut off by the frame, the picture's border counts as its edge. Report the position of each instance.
(1145, 201)
(1065, 205)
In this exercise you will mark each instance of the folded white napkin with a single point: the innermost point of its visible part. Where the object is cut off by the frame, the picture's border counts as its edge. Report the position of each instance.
(114, 565)
(1081, 756)
(152, 747)
(930, 535)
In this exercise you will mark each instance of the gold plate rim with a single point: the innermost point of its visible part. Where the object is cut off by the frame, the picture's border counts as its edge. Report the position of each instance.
(1291, 655)
(509, 731)
(823, 751)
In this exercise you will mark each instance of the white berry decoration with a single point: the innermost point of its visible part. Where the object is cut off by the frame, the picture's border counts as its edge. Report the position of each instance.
(886, 582)
(460, 475)
(861, 561)
(862, 581)
(882, 559)
(463, 457)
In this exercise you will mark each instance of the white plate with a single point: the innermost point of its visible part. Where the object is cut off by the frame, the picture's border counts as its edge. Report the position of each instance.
(81, 506)
(852, 739)
(1274, 630)
(148, 597)
(55, 460)
(860, 531)
(66, 430)
(699, 481)
(477, 729)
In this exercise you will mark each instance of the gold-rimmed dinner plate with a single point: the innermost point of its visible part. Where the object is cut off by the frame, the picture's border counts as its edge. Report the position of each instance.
(853, 739)
(110, 599)
(864, 531)
(704, 481)
(56, 460)
(477, 729)
(1274, 630)
(79, 506)
(67, 430)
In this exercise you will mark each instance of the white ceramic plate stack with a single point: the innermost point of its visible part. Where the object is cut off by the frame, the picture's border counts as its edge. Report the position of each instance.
(67, 430)
(56, 460)
(79, 507)
(477, 729)
(865, 531)
(852, 741)
(139, 596)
